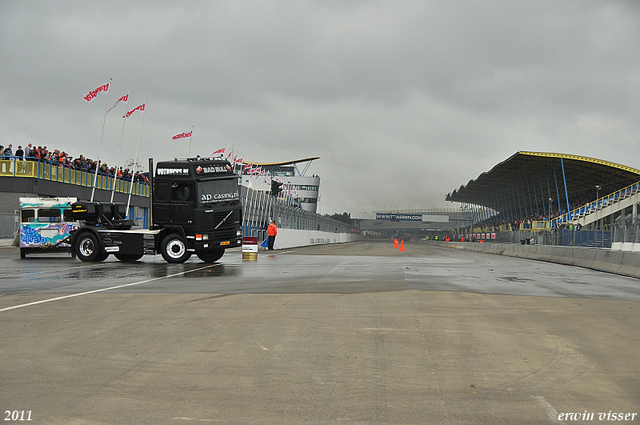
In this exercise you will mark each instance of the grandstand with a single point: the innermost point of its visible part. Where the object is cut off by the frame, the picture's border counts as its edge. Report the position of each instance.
(545, 191)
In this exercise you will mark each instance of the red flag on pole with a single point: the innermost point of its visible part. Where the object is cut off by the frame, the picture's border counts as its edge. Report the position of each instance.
(221, 151)
(93, 93)
(124, 98)
(182, 135)
(137, 108)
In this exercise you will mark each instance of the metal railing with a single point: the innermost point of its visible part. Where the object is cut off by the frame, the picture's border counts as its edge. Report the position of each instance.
(596, 205)
(43, 170)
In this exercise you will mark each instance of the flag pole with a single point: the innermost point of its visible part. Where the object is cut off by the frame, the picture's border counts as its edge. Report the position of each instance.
(104, 120)
(190, 137)
(135, 163)
(124, 122)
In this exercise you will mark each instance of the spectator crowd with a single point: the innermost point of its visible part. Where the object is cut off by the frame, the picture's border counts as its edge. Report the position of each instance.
(61, 158)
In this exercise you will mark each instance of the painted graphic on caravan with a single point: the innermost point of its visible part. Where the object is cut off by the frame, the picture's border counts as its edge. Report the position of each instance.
(45, 223)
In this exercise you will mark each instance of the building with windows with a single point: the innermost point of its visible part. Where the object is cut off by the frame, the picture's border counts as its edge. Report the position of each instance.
(297, 187)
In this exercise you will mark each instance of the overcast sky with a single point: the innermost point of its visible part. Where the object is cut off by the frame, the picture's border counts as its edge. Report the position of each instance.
(403, 101)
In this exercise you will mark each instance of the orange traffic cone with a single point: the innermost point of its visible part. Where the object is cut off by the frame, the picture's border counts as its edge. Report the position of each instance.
(402, 246)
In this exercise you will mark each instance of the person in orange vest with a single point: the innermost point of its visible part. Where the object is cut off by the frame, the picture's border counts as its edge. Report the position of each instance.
(447, 239)
(272, 231)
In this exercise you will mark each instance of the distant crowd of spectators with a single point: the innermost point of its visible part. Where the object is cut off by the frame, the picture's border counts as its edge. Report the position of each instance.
(57, 157)
(528, 219)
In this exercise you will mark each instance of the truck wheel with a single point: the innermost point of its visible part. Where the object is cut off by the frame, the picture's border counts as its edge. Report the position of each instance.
(101, 257)
(23, 253)
(174, 249)
(210, 256)
(128, 258)
(87, 247)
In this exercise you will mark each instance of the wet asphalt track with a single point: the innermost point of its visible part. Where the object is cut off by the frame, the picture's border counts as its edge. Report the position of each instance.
(351, 334)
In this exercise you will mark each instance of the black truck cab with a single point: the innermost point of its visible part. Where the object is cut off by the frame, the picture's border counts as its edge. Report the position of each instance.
(200, 199)
(195, 208)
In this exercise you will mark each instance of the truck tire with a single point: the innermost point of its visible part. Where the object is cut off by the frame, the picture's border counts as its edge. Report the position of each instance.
(23, 253)
(174, 249)
(128, 258)
(87, 247)
(210, 256)
(101, 257)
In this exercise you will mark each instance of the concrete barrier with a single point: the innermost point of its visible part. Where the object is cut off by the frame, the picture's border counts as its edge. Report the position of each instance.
(630, 264)
(6, 242)
(618, 262)
(609, 261)
(288, 238)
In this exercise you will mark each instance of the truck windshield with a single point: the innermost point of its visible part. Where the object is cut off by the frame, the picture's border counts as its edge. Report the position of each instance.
(222, 190)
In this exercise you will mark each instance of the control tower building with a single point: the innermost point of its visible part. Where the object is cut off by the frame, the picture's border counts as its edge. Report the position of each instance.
(302, 188)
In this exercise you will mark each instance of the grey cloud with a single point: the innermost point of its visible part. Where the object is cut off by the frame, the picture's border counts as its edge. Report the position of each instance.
(404, 101)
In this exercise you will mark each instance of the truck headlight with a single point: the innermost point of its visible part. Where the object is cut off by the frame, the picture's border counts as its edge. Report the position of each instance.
(238, 232)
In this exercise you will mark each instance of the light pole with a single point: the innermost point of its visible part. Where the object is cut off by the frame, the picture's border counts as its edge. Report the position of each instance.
(598, 187)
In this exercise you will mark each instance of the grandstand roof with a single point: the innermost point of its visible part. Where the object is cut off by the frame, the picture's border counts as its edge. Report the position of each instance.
(527, 179)
(285, 166)
(269, 164)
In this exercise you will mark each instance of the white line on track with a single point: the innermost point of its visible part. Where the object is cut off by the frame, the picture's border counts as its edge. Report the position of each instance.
(95, 291)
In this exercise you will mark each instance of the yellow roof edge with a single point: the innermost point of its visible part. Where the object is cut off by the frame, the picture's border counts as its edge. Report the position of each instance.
(581, 158)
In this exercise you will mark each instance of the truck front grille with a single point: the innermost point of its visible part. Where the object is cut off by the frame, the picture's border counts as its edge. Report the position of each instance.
(213, 219)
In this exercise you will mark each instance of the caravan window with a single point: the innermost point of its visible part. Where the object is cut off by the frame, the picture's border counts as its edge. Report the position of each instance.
(27, 216)
(45, 216)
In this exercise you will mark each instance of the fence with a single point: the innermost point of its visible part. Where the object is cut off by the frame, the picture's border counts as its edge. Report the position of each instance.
(558, 237)
(260, 207)
(553, 237)
(626, 233)
(8, 225)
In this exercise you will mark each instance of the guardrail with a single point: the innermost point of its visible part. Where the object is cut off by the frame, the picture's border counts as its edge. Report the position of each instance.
(43, 170)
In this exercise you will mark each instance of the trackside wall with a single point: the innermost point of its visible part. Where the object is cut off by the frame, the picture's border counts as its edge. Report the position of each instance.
(618, 262)
(290, 238)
